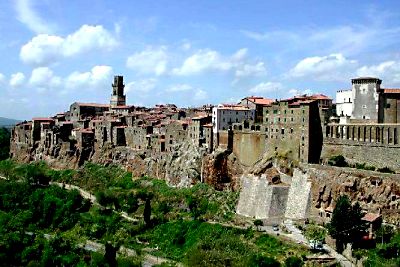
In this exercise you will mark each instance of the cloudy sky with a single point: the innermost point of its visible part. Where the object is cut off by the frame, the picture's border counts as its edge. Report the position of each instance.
(55, 52)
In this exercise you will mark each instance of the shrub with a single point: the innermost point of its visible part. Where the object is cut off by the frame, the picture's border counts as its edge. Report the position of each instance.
(294, 262)
(338, 161)
(386, 170)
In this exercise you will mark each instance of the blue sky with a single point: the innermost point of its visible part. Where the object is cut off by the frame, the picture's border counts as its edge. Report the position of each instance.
(189, 52)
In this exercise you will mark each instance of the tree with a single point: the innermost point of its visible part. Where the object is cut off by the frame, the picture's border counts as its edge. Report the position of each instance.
(315, 232)
(147, 211)
(4, 143)
(346, 225)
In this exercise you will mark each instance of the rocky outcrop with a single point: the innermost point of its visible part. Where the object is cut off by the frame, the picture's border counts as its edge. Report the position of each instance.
(222, 170)
(376, 192)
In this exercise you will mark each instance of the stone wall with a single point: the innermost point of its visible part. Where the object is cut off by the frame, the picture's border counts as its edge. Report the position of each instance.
(248, 147)
(371, 154)
(260, 199)
(299, 199)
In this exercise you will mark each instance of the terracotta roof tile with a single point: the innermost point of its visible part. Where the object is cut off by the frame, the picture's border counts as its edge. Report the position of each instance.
(371, 217)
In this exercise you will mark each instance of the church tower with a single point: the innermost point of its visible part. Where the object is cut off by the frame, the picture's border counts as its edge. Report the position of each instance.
(118, 98)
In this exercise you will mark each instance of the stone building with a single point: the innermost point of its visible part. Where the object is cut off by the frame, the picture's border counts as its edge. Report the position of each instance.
(368, 132)
(118, 98)
(290, 128)
(79, 111)
(256, 103)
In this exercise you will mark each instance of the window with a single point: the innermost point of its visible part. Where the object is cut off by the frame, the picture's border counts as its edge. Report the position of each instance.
(364, 106)
(237, 113)
(266, 119)
(266, 112)
(282, 131)
(387, 105)
(266, 130)
(275, 111)
(285, 111)
(291, 111)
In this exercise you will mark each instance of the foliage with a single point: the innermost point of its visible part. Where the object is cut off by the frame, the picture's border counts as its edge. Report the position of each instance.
(4, 143)
(170, 219)
(338, 161)
(315, 232)
(294, 262)
(363, 166)
(263, 261)
(346, 225)
(387, 254)
(386, 170)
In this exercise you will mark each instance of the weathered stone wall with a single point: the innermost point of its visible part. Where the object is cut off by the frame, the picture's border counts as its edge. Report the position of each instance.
(260, 199)
(299, 199)
(369, 153)
(249, 147)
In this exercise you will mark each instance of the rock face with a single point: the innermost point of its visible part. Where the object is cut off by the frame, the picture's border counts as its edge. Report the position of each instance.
(182, 167)
(376, 192)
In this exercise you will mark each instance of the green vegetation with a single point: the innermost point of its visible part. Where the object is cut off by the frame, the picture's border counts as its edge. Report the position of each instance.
(338, 161)
(4, 143)
(44, 224)
(315, 232)
(386, 254)
(346, 225)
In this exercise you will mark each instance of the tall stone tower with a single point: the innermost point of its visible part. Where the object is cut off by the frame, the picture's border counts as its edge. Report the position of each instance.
(365, 94)
(118, 98)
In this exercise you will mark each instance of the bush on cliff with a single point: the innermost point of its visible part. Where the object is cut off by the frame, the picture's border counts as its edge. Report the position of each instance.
(338, 161)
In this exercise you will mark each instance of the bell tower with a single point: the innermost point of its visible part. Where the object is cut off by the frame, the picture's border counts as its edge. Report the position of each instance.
(118, 98)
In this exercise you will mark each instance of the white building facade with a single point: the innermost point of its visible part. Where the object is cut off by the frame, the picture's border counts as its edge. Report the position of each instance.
(224, 116)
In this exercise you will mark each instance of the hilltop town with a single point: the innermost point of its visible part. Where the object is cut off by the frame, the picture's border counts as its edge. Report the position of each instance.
(274, 151)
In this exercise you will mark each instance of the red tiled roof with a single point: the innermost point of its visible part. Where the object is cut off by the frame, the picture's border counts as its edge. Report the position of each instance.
(93, 105)
(260, 100)
(321, 97)
(42, 119)
(371, 217)
(391, 90)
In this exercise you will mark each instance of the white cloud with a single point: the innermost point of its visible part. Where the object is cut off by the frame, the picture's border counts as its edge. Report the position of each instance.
(186, 45)
(388, 71)
(266, 87)
(142, 86)
(240, 54)
(2, 78)
(44, 78)
(179, 88)
(99, 75)
(294, 92)
(150, 61)
(27, 15)
(201, 61)
(45, 49)
(210, 60)
(328, 68)
(200, 95)
(251, 70)
(347, 39)
(17, 79)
